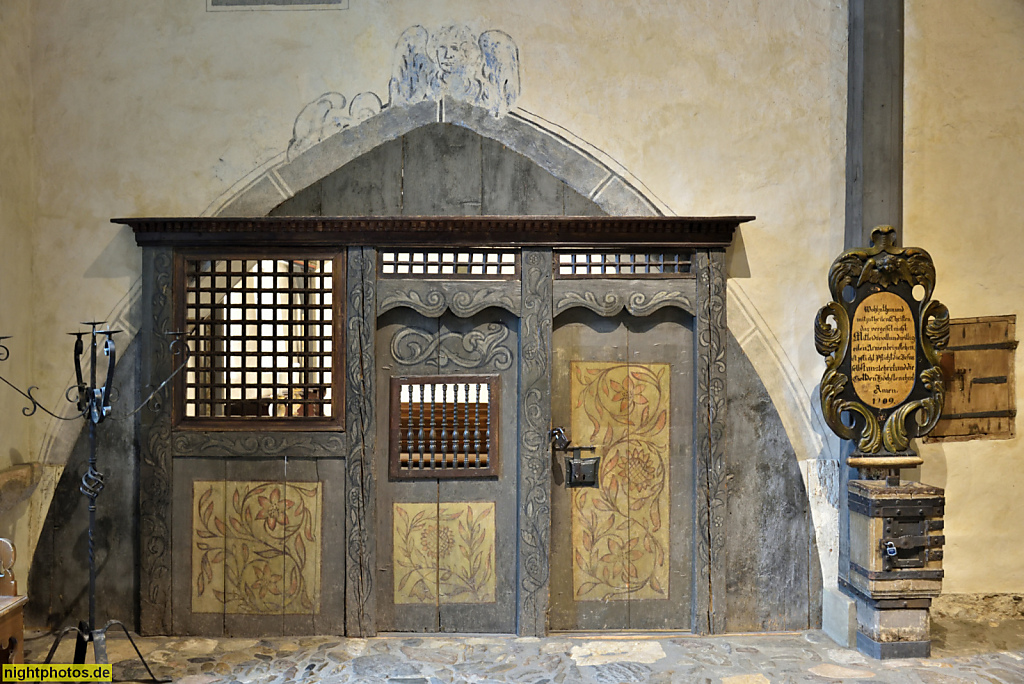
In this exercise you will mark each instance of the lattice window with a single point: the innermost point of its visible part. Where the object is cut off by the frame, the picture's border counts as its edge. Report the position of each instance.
(483, 264)
(588, 264)
(263, 338)
(444, 426)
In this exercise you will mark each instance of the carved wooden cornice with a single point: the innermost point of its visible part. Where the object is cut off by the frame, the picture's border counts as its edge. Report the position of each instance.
(462, 231)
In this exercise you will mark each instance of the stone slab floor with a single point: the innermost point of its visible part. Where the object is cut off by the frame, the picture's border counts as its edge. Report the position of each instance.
(966, 652)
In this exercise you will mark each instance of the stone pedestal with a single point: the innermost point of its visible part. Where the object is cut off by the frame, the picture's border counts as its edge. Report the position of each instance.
(895, 564)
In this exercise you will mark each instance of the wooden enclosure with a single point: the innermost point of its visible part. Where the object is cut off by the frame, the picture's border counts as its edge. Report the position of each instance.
(283, 517)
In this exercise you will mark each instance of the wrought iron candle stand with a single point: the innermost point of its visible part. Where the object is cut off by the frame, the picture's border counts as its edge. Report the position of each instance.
(93, 402)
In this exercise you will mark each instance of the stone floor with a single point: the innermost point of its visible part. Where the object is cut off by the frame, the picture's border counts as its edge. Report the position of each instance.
(966, 652)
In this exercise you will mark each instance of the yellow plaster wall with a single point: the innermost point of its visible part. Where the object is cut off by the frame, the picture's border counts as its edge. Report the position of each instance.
(964, 202)
(157, 107)
(16, 223)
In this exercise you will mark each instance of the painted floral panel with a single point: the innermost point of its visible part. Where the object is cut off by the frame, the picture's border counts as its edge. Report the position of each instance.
(256, 547)
(446, 561)
(620, 533)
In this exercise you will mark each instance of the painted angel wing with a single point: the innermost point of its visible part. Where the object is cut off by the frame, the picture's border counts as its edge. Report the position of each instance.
(500, 71)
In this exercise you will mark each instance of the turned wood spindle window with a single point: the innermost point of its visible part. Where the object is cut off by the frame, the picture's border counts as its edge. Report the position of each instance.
(444, 427)
(264, 340)
(593, 264)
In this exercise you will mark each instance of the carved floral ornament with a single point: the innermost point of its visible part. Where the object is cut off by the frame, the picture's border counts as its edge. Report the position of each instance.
(882, 345)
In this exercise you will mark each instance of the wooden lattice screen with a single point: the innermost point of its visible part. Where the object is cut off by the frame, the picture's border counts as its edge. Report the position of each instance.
(444, 426)
(457, 263)
(601, 264)
(263, 340)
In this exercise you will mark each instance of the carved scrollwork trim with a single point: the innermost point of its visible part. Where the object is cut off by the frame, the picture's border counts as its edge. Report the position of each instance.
(432, 298)
(711, 475)
(534, 454)
(883, 264)
(638, 297)
(360, 607)
(155, 468)
(475, 349)
(258, 445)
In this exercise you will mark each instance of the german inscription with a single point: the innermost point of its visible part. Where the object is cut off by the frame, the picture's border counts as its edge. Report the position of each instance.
(883, 350)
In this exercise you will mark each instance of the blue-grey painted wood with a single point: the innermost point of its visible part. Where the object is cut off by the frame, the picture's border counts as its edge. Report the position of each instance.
(534, 449)
(608, 297)
(360, 328)
(155, 468)
(463, 298)
(709, 440)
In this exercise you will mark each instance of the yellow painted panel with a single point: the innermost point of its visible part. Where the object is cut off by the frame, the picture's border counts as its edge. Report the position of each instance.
(447, 562)
(257, 549)
(620, 531)
(208, 532)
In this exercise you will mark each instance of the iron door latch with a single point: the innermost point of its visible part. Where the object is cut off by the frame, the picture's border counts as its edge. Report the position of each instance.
(579, 471)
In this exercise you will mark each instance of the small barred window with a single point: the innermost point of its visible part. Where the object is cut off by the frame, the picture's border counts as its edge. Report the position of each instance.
(443, 427)
(263, 338)
(588, 264)
(481, 264)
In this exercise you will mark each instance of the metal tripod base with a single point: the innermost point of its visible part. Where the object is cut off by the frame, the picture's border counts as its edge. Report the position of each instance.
(98, 638)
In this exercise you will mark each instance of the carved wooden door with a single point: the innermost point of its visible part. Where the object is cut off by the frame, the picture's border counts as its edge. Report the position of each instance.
(621, 553)
(446, 471)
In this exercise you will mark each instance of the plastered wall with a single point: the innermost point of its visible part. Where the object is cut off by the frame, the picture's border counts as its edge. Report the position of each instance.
(964, 202)
(150, 107)
(157, 107)
(17, 214)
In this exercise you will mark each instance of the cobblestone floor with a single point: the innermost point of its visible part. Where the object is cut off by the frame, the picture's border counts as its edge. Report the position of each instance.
(964, 652)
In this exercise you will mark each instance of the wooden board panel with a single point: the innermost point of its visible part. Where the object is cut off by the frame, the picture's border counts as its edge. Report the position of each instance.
(771, 574)
(186, 563)
(495, 613)
(257, 544)
(514, 186)
(442, 172)
(393, 616)
(980, 398)
(370, 185)
(628, 348)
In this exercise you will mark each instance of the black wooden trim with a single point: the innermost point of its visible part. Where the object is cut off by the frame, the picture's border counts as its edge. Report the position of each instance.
(458, 231)
(1008, 413)
(896, 508)
(1010, 346)
(897, 574)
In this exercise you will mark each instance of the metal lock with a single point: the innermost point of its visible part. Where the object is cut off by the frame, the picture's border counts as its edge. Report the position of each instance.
(579, 471)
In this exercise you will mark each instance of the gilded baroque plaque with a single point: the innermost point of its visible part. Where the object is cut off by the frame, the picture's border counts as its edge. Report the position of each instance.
(882, 335)
(883, 351)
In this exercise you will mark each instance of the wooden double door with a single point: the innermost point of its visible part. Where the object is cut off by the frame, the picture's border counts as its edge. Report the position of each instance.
(446, 464)
(621, 553)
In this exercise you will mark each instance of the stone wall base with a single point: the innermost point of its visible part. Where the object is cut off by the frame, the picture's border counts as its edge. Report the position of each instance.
(978, 606)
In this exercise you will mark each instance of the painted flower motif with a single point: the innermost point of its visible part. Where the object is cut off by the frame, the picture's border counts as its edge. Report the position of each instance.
(266, 581)
(629, 394)
(437, 542)
(639, 470)
(273, 510)
(428, 541)
(622, 558)
(445, 541)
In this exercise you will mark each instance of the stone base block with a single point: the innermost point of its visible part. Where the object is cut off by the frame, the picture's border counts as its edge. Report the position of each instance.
(884, 650)
(839, 617)
(892, 625)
